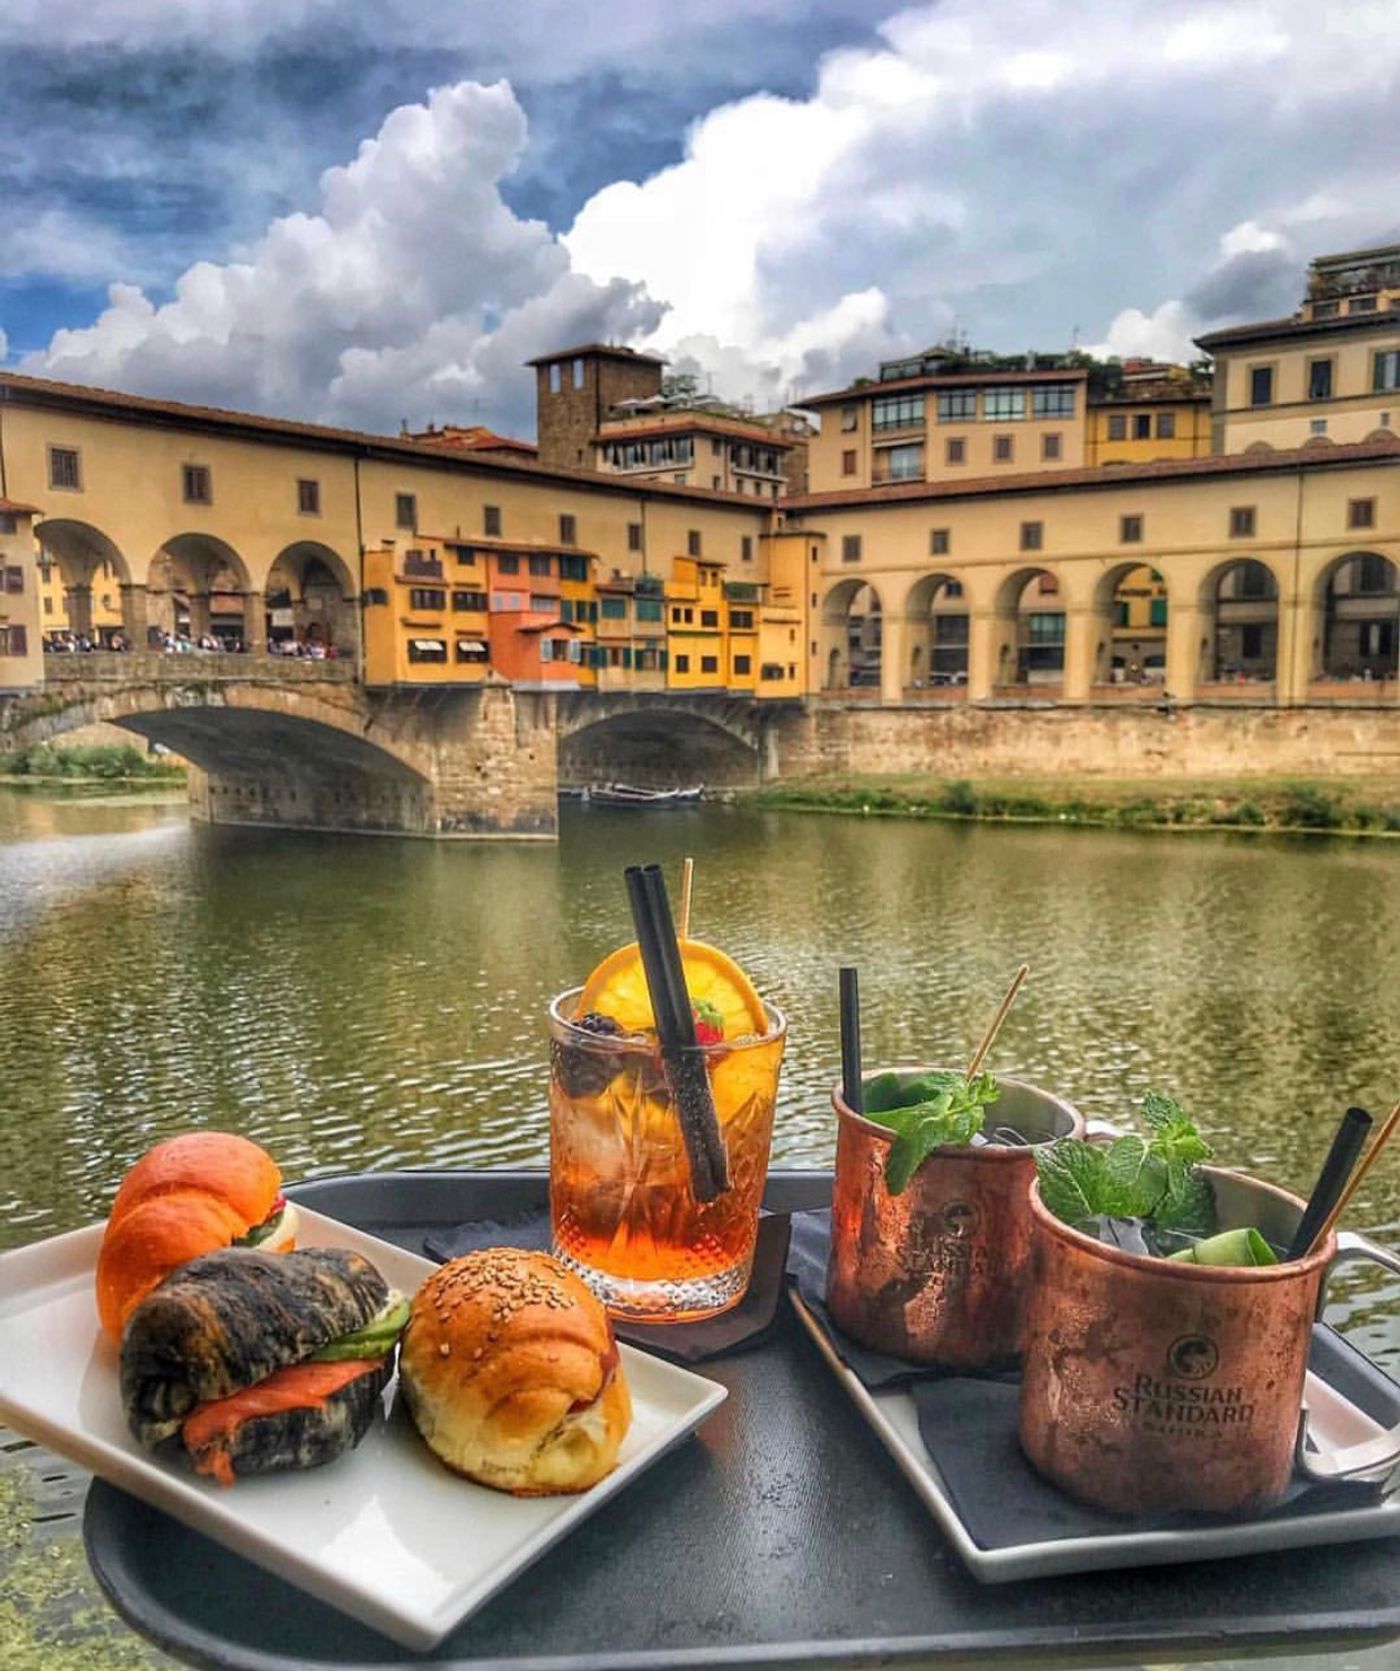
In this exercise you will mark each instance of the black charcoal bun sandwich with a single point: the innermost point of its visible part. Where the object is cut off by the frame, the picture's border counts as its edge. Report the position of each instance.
(246, 1362)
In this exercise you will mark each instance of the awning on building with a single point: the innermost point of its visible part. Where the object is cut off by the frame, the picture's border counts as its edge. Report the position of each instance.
(430, 645)
(473, 646)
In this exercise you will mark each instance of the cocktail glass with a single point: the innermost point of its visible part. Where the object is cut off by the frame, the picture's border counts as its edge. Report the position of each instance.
(621, 1207)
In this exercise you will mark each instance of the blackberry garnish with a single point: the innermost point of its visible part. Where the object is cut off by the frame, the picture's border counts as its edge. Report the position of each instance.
(585, 1073)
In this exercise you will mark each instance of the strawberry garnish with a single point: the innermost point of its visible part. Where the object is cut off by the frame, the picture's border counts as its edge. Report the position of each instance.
(709, 1023)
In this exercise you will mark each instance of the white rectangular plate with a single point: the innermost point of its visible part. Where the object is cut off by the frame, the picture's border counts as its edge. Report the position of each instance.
(386, 1534)
(1336, 1423)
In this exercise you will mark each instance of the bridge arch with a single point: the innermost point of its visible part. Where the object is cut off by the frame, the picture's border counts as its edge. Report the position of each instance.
(937, 609)
(1357, 609)
(270, 753)
(852, 636)
(311, 599)
(94, 574)
(659, 744)
(199, 587)
(1238, 602)
(1128, 624)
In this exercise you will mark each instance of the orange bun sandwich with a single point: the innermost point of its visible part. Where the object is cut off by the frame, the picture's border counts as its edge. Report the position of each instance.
(192, 1194)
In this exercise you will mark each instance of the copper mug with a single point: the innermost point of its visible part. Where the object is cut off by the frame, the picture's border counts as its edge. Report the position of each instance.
(1152, 1387)
(938, 1274)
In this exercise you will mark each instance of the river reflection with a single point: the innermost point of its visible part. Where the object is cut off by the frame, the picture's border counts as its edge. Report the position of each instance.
(376, 1003)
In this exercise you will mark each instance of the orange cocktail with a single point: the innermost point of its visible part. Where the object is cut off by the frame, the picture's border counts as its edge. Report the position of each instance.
(622, 1209)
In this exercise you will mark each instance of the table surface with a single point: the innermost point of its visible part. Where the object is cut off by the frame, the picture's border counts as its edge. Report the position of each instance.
(782, 1535)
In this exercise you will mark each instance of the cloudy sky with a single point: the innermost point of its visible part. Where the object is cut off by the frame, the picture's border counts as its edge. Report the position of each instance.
(363, 211)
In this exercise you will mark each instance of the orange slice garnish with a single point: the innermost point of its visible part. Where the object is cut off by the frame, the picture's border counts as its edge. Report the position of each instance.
(618, 988)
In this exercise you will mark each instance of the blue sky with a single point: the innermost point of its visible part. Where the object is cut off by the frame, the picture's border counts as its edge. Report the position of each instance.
(364, 212)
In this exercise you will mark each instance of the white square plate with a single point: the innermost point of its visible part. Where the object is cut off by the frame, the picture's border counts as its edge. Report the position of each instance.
(386, 1534)
(1336, 1423)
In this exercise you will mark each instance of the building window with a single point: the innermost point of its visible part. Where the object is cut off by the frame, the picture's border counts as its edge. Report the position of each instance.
(897, 412)
(717, 483)
(1361, 513)
(1166, 426)
(1050, 447)
(568, 529)
(578, 374)
(508, 563)
(491, 521)
(743, 666)
(1047, 585)
(850, 418)
(1242, 522)
(556, 378)
(957, 406)
(1385, 373)
(1319, 379)
(427, 649)
(614, 608)
(308, 498)
(463, 602)
(376, 595)
(14, 641)
(1255, 581)
(64, 468)
(406, 511)
(1003, 449)
(746, 548)
(955, 451)
(850, 548)
(1261, 386)
(1001, 406)
(14, 580)
(939, 542)
(848, 461)
(709, 618)
(471, 649)
(692, 542)
(1317, 426)
(1142, 426)
(1118, 426)
(573, 568)
(1032, 535)
(709, 664)
(1372, 573)
(951, 589)
(1157, 612)
(197, 486)
(903, 464)
(1046, 626)
(539, 565)
(741, 620)
(634, 536)
(426, 597)
(1130, 530)
(682, 664)
(1053, 400)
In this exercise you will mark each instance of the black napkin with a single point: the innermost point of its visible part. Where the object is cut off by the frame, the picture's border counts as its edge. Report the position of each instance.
(969, 1428)
(745, 1325)
(806, 1267)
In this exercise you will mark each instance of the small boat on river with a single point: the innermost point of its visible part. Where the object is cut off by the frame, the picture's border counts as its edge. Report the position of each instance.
(626, 794)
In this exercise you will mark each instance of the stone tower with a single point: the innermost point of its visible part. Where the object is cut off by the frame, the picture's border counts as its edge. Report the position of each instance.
(575, 389)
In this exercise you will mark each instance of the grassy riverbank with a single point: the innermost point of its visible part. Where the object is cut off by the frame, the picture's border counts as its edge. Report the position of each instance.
(99, 763)
(1342, 806)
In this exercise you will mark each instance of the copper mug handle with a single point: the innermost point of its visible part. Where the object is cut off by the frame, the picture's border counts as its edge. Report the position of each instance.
(1373, 1459)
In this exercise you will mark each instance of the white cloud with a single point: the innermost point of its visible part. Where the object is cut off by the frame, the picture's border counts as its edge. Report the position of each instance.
(413, 291)
(1012, 169)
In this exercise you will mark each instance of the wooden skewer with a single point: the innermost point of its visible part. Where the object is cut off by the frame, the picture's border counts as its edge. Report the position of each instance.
(687, 883)
(1378, 1142)
(989, 1037)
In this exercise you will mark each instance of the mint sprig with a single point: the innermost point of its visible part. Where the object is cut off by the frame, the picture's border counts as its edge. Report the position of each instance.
(1132, 1177)
(940, 1109)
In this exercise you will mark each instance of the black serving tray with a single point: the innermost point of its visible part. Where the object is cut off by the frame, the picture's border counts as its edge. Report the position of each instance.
(782, 1536)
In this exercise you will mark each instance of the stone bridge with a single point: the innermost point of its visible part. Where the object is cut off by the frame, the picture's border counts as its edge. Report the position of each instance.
(280, 741)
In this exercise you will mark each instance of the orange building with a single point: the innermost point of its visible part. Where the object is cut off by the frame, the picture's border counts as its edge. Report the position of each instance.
(531, 642)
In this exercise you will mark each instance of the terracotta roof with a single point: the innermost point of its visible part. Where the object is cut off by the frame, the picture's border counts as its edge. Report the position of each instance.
(1106, 475)
(15, 387)
(951, 380)
(12, 507)
(484, 542)
(1151, 394)
(614, 429)
(1266, 330)
(606, 350)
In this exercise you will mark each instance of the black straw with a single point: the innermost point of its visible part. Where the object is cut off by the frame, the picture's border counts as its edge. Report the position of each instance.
(1336, 1169)
(852, 1087)
(682, 1059)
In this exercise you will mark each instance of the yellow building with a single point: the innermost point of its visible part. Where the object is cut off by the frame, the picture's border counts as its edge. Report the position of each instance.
(630, 652)
(1328, 373)
(1151, 412)
(425, 615)
(950, 422)
(21, 657)
(697, 652)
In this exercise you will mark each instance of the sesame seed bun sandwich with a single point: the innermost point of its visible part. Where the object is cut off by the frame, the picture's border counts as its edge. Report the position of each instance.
(511, 1374)
(248, 1363)
(189, 1195)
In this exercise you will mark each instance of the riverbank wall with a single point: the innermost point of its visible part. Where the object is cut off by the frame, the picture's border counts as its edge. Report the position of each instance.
(1157, 741)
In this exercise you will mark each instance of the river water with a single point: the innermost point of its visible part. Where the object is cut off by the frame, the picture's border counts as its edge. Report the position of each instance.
(355, 1003)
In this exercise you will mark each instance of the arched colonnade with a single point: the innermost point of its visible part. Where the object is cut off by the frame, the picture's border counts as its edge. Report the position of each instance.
(1233, 627)
(196, 589)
